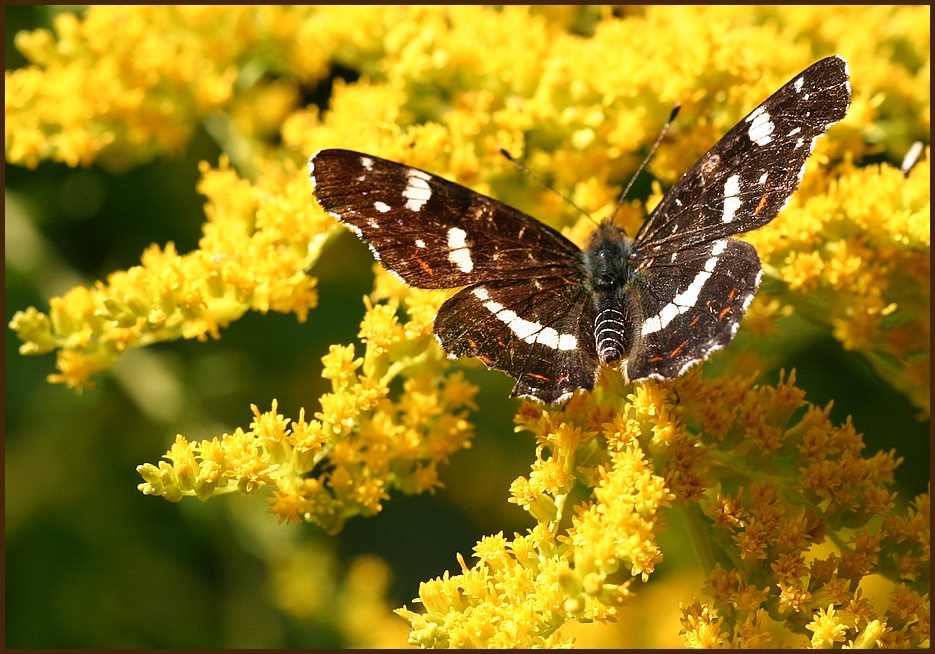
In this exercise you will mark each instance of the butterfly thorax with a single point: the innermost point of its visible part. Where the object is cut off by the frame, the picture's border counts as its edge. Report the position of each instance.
(607, 275)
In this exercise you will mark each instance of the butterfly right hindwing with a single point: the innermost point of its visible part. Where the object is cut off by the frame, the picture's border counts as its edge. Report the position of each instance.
(690, 305)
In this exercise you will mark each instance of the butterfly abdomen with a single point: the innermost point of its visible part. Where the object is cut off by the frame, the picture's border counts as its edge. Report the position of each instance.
(607, 275)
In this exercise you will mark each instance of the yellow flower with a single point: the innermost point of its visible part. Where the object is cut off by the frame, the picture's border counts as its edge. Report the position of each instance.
(827, 628)
(701, 627)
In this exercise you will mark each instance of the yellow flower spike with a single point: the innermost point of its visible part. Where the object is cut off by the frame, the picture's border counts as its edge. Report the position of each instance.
(369, 393)
(523, 549)
(380, 330)
(306, 437)
(251, 466)
(792, 597)
(270, 428)
(457, 392)
(421, 308)
(289, 506)
(182, 455)
(340, 365)
(492, 551)
(173, 296)
(338, 411)
(871, 636)
(212, 470)
(753, 633)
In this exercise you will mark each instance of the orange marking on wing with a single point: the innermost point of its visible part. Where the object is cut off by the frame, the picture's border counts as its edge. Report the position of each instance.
(676, 350)
(762, 205)
(537, 376)
(426, 267)
(724, 312)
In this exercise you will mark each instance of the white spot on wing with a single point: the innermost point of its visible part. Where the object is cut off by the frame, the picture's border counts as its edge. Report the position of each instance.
(798, 84)
(688, 298)
(548, 337)
(417, 191)
(382, 207)
(420, 243)
(731, 200)
(367, 163)
(794, 132)
(525, 329)
(567, 342)
(763, 177)
(761, 127)
(531, 332)
(457, 238)
(459, 254)
(462, 259)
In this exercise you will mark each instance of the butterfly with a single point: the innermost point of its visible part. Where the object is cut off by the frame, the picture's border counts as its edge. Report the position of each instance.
(547, 313)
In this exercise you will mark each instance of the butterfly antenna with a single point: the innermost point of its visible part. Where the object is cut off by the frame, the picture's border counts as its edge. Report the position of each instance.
(652, 151)
(535, 178)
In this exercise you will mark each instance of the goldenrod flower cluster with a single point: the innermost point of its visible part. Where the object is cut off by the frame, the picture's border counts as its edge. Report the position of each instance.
(764, 479)
(257, 243)
(359, 447)
(762, 485)
(857, 259)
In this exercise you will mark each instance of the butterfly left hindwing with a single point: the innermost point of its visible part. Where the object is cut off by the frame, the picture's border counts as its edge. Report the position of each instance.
(539, 331)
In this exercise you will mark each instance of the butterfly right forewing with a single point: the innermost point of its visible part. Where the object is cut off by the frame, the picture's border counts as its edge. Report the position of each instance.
(747, 178)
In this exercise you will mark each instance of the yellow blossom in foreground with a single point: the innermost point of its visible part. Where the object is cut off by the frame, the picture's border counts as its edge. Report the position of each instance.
(343, 463)
(807, 483)
(828, 629)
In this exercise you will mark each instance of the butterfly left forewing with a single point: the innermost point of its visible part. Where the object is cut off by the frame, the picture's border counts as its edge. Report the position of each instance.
(431, 232)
